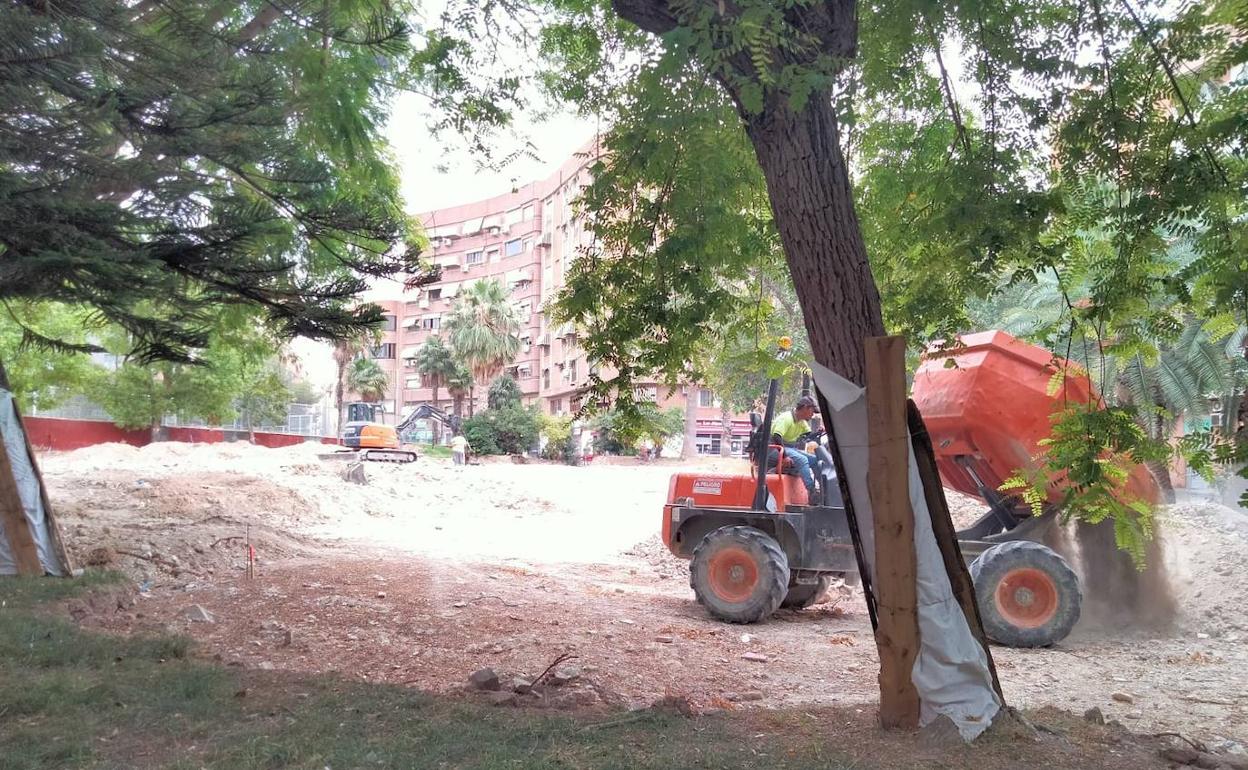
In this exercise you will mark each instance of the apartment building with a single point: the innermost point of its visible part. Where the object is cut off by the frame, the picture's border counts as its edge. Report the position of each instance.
(526, 238)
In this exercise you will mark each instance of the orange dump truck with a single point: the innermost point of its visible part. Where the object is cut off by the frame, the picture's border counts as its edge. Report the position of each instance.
(756, 543)
(987, 407)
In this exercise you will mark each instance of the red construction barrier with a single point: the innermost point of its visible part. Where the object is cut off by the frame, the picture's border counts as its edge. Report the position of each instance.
(62, 434)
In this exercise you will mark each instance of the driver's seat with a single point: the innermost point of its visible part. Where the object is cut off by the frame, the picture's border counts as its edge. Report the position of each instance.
(758, 446)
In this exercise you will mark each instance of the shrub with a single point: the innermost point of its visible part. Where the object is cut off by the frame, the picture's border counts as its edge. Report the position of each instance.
(511, 430)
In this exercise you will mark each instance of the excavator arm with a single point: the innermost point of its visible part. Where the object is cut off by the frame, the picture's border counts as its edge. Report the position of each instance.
(428, 412)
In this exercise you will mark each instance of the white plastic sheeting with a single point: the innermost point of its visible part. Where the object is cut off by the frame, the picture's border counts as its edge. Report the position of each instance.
(28, 489)
(951, 671)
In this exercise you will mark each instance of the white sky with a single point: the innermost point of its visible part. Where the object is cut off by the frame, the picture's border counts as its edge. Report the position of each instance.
(420, 155)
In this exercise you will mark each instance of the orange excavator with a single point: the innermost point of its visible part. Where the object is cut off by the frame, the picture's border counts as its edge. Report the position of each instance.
(374, 440)
(756, 544)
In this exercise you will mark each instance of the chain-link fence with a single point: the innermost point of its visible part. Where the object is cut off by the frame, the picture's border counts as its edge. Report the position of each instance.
(301, 419)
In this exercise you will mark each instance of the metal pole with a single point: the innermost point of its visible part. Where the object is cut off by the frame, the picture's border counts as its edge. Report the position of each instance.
(760, 492)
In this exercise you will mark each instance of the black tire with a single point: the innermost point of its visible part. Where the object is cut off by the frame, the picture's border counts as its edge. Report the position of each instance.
(740, 574)
(1046, 598)
(801, 596)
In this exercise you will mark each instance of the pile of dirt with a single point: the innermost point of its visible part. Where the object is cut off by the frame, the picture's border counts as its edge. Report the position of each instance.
(181, 526)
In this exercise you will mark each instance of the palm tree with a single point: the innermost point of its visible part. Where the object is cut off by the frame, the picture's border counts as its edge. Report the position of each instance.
(459, 383)
(435, 364)
(367, 378)
(345, 351)
(484, 331)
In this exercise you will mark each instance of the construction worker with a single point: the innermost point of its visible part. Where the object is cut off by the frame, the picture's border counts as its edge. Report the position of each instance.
(791, 429)
(459, 449)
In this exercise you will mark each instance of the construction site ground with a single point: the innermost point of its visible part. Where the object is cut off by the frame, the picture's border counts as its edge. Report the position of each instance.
(430, 572)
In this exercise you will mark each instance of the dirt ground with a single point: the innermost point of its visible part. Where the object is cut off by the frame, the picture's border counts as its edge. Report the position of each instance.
(431, 571)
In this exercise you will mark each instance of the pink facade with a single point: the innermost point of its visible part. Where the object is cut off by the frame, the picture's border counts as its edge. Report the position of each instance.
(527, 239)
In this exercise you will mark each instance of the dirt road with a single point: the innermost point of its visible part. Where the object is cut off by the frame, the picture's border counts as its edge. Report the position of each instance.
(432, 571)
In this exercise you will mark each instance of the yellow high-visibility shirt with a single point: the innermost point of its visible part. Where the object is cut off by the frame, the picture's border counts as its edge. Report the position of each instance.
(787, 428)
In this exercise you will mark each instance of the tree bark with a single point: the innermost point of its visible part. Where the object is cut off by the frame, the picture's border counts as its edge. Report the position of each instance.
(812, 201)
(725, 443)
(689, 449)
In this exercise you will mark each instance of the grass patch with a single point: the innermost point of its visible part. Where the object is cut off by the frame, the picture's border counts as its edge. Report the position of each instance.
(71, 698)
(436, 451)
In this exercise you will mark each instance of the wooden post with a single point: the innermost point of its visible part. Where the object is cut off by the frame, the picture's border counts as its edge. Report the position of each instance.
(16, 528)
(888, 483)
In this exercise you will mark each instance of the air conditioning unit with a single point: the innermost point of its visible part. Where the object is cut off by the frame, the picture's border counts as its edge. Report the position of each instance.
(493, 229)
(546, 240)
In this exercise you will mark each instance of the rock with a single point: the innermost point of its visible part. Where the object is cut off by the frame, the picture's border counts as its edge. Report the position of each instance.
(1202, 636)
(381, 594)
(746, 638)
(484, 679)
(1135, 715)
(354, 473)
(664, 639)
(288, 638)
(101, 557)
(197, 614)
(1122, 697)
(265, 665)
(1094, 716)
(521, 685)
(460, 605)
(564, 675)
(739, 697)
(756, 657)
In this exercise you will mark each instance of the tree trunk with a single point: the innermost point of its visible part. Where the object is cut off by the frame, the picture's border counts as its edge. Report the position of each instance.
(340, 395)
(812, 201)
(725, 443)
(808, 186)
(472, 400)
(689, 449)
(437, 426)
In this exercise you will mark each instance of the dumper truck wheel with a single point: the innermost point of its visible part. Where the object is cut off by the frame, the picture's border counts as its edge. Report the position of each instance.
(1028, 595)
(740, 574)
(802, 596)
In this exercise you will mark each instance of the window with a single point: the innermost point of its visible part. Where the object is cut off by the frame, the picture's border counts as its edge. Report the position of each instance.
(492, 255)
(708, 443)
(514, 216)
(572, 370)
(513, 248)
(389, 323)
(431, 324)
(413, 381)
(474, 258)
(643, 393)
(528, 245)
(384, 351)
(556, 406)
(528, 213)
(435, 293)
(546, 379)
(705, 397)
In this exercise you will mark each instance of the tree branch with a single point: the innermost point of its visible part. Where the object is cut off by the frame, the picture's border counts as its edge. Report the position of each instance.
(654, 16)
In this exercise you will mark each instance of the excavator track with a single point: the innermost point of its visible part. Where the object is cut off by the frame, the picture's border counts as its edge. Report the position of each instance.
(388, 455)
